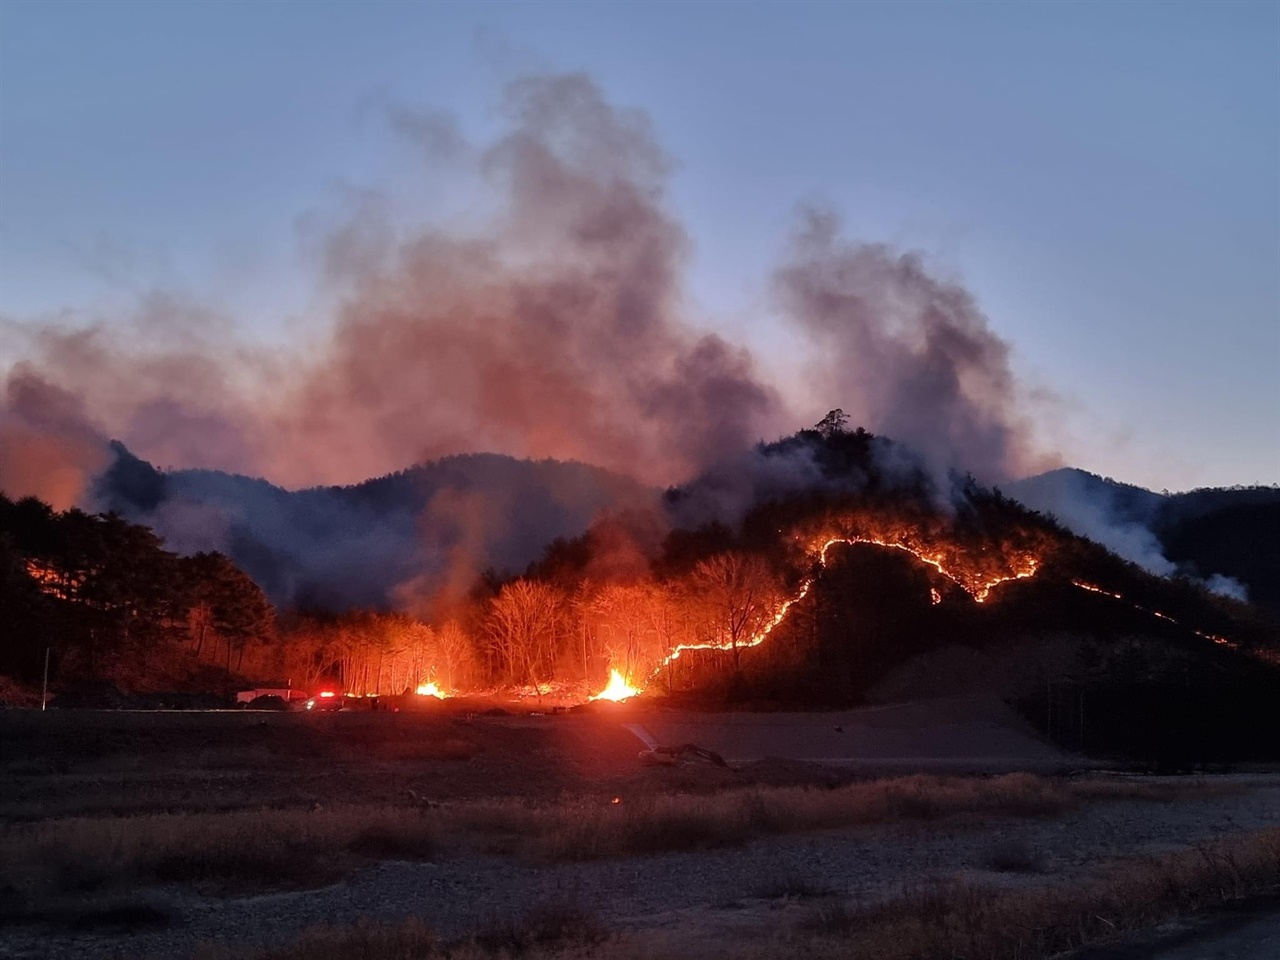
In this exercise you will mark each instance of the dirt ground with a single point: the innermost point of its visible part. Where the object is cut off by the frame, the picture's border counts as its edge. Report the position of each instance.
(704, 903)
(1246, 931)
(64, 763)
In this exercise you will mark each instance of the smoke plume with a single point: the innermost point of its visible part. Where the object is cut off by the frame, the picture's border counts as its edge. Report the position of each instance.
(906, 354)
(553, 326)
(48, 446)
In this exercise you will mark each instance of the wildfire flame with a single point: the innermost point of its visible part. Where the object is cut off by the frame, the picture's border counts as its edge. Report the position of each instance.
(1222, 641)
(976, 578)
(974, 584)
(431, 689)
(617, 689)
(979, 589)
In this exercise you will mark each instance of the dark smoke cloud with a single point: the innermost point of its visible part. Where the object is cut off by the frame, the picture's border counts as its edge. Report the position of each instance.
(553, 327)
(49, 447)
(906, 354)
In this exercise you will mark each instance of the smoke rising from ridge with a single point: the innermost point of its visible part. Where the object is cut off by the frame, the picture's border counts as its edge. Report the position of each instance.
(905, 353)
(555, 327)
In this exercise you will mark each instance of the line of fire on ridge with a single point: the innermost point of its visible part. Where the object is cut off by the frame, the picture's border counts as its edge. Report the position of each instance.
(618, 684)
(619, 688)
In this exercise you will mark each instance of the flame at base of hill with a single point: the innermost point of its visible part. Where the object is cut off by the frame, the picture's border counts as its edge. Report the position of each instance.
(431, 689)
(617, 689)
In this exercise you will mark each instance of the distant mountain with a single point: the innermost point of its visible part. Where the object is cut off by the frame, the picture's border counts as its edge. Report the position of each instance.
(387, 541)
(395, 539)
(1227, 537)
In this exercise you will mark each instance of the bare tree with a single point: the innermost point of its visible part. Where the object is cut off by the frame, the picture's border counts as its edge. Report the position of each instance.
(454, 652)
(669, 619)
(524, 626)
(737, 596)
(620, 614)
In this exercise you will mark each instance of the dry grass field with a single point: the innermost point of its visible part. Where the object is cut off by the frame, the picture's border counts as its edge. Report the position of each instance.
(459, 835)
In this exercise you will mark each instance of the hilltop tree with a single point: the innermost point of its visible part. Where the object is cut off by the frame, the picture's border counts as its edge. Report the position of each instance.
(834, 423)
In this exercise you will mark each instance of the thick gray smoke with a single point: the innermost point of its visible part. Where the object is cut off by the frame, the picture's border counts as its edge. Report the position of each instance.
(553, 327)
(49, 447)
(906, 354)
(1123, 518)
(557, 330)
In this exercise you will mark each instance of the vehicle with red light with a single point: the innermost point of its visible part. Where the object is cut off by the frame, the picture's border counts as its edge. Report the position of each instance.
(325, 701)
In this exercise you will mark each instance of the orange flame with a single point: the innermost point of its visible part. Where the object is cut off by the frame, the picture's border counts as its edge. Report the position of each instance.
(431, 689)
(1223, 641)
(976, 588)
(617, 689)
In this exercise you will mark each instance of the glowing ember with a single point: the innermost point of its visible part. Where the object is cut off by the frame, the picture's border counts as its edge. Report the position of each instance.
(431, 689)
(617, 690)
(977, 588)
(1223, 641)
(977, 583)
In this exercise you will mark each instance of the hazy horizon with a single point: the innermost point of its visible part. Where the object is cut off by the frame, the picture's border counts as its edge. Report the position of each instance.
(1101, 180)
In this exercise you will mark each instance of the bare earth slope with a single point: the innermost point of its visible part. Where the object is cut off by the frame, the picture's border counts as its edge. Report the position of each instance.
(945, 734)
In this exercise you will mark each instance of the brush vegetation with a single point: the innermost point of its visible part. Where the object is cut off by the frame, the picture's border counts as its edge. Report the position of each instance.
(948, 920)
(954, 920)
(247, 851)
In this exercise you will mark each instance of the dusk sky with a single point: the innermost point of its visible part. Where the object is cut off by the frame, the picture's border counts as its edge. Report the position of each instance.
(1105, 178)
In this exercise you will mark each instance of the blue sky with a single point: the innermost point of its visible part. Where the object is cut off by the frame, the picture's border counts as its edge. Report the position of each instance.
(1104, 177)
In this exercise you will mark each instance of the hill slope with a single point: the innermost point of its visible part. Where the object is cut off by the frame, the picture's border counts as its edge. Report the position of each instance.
(392, 540)
(1227, 537)
(879, 569)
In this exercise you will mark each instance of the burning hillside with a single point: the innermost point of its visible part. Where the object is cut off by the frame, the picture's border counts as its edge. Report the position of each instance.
(811, 596)
(554, 325)
(772, 596)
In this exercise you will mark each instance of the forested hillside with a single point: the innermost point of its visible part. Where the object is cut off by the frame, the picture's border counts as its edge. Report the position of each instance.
(1228, 537)
(383, 543)
(108, 602)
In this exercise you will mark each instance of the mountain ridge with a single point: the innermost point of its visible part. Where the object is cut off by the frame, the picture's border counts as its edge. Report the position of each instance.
(1225, 536)
(491, 510)
(343, 546)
